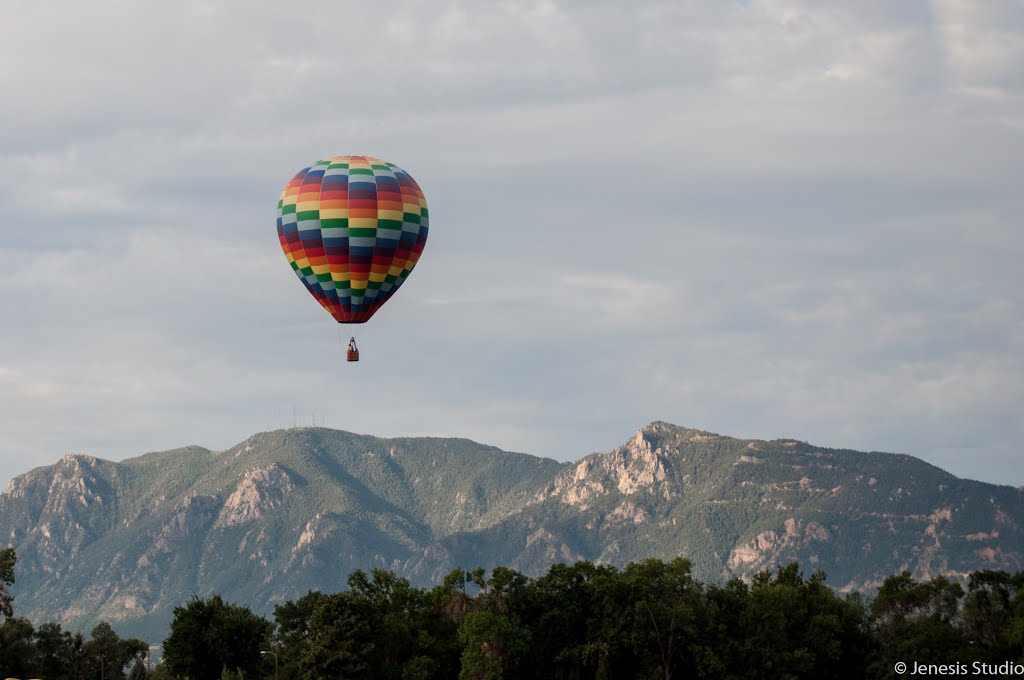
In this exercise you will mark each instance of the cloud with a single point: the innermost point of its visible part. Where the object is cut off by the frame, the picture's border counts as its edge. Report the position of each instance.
(765, 218)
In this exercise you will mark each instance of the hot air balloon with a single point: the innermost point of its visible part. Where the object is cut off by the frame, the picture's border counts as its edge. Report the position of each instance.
(352, 229)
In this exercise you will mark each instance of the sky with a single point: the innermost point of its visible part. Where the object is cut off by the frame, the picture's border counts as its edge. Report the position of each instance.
(766, 219)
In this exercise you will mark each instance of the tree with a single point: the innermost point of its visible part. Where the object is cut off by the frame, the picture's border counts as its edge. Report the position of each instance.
(455, 601)
(161, 673)
(109, 654)
(382, 627)
(612, 644)
(394, 608)
(341, 641)
(720, 651)
(664, 614)
(293, 628)
(796, 627)
(52, 651)
(901, 599)
(16, 649)
(138, 671)
(208, 636)
(492, 643)
(8, 558)
(917, 620)
(563, 608)
(76, 659)
(991, 613)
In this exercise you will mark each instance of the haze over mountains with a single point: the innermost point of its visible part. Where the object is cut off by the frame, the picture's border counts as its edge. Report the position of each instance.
(292, 510)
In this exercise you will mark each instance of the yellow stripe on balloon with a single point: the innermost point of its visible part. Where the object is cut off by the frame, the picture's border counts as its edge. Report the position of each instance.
(362, 223)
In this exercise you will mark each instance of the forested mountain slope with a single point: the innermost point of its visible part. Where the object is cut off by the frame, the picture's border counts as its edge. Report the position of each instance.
(292, 510)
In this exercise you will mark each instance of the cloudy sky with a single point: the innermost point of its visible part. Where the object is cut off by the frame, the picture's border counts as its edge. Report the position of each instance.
(774, 218)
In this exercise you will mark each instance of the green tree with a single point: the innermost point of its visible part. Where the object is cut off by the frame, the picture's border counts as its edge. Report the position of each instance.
(721, 648)
(209, 635)
(408, 627)
(492, 643)
(16, 648)
(795, 627)
(1015, 635)
(381, 627)
(8, 559)
(395, 608)
(76, 660)
(293, 627)
(161, 673)
(421, 668)
(918, 620)
(109, 655)
(138, 671)
(989, 614)
(341, 640)
(53, 651)
(565, 607)
(666, 602)
(455, 601)
(612, 642)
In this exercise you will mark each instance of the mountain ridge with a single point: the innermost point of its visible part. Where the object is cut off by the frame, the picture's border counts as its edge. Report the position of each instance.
(288, 510)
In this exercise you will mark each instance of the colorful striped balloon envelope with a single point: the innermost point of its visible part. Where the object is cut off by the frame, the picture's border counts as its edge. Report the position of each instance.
(352, 228)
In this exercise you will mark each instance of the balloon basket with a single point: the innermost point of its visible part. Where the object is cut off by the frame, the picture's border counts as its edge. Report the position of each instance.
(353, 355)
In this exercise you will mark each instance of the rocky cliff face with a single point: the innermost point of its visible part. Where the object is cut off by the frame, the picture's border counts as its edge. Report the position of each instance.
(287, 511)
(259, 491)
(736, 507)
(636, 466)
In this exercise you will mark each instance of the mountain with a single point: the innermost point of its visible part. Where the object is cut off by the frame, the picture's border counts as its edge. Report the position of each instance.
(292, 510)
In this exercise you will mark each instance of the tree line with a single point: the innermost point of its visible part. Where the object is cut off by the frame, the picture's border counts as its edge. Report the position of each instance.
(651, 619)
